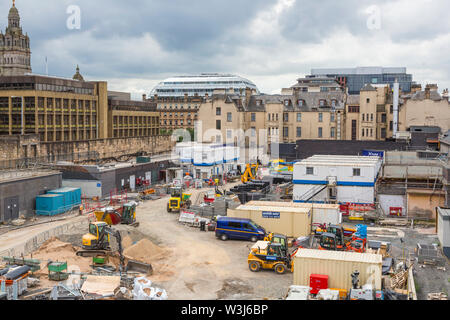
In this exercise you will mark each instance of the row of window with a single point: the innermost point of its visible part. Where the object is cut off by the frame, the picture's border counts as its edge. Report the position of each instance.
(274, 131)
(356, 171)
(176, 114)
(175, 122)
(274, 117)
(181, 106)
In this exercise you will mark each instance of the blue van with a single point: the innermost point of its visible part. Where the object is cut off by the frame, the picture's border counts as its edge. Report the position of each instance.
(239, 229)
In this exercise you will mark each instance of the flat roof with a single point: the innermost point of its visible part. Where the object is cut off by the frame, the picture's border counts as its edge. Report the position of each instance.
(339, 256)
(327, 160)
(292, 204)
(273, 208)
(444, 212)
(11, 176)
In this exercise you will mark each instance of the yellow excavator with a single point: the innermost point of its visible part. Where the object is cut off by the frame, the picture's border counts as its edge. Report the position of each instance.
(178, 199)
(98, 243)
(250, 172)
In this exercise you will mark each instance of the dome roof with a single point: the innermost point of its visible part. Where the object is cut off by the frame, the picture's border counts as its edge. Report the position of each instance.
(77, 75)
(13, 11)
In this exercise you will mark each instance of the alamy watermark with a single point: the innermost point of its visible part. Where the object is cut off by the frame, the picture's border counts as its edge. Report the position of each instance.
(73, 21)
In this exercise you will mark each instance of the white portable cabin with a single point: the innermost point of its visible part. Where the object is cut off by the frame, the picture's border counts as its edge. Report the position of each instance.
(352, 177)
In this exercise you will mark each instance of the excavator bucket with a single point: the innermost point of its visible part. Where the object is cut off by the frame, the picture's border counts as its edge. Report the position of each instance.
(141, 267)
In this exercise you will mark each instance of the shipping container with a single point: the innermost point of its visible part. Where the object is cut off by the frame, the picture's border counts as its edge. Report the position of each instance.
(338, 266)
(290, 221)
(49, 204)
(72, 196)
(321, 212)
(338, 178)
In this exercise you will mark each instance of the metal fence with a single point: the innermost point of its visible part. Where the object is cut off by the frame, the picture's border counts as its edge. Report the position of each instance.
(48, 159)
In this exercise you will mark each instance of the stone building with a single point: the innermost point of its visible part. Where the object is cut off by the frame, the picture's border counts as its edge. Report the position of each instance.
(311, 109)
(425, 108)
(15, 54)
(177, 112)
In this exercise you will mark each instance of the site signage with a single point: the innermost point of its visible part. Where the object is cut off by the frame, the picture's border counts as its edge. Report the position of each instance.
(373, 153)
(271, 215)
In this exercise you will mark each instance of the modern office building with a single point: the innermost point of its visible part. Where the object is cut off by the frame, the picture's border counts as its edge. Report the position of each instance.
(357, 78)
(201, 85)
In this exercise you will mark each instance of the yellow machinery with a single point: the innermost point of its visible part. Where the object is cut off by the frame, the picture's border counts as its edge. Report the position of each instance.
(98, 236)
(178, 199)
(98, 243)
(250, 172)
(281, 166)
(270, 256)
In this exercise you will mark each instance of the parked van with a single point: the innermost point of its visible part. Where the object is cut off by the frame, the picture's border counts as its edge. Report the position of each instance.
(239, 229)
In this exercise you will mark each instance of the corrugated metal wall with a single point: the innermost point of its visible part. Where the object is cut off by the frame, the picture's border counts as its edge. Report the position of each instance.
(338, 271)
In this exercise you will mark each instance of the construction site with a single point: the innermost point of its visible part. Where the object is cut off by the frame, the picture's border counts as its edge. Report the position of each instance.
(165, 229)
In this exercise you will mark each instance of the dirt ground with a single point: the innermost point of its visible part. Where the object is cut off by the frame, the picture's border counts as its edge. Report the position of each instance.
(194, 265)
(202, 267)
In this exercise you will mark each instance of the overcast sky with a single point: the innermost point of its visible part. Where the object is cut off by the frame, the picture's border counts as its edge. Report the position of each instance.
(136, 44)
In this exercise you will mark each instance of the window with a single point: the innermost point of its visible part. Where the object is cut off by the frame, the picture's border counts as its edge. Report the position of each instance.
(371, 132)
(309, 170)
(333, 103)
(383, 117)
(253, 131)
(353, 109)
(299, 117)
(371, 117)
(363, 132)
(218, 125)
(368, 100)
(392, 109)
(286, 103)
(363, 117)
(299, 132)
(285, 132)
(236, 225)
(356, 172)
(333, 132)
(332, 117)
(320, 117)
(383, 133)
(276, 117)
(322, 103)
(286, 117)
(320, 132)
(300, 103)
(253, 117)
(218, 111)
(228, 134)
(229, 117)
(391, 125)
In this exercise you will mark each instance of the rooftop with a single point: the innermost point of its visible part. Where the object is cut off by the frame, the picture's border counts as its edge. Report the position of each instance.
(339, 256)
(358, 70)
(17, 175)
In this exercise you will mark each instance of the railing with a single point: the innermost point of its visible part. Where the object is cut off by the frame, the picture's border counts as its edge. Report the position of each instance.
(49, 159)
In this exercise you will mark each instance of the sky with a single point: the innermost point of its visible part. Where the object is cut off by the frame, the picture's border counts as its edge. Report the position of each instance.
(136, 44)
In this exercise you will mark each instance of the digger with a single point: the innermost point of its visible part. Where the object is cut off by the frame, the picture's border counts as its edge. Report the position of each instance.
(98, 243)
(250, 172)
(178, 199)
(269, 256)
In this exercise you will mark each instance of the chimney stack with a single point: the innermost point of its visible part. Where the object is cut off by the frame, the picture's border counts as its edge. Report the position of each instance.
(396, 99)
(427, 92)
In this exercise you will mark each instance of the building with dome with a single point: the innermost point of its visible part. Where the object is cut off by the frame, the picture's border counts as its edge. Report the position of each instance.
(15, 53)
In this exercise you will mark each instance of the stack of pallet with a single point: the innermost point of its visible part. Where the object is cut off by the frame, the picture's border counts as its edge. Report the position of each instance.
(398, 281)
(437, 296)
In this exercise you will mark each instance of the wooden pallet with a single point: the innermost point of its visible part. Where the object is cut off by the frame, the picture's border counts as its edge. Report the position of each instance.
(398, 281)
(437, 296)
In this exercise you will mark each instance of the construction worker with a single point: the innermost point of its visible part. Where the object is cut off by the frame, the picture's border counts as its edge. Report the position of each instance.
(81, 209)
